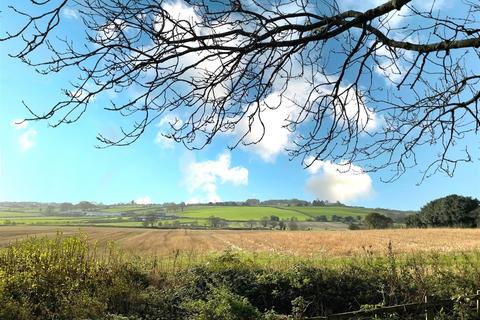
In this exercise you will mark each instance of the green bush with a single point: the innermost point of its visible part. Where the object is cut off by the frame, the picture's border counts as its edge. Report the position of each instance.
(221, 304)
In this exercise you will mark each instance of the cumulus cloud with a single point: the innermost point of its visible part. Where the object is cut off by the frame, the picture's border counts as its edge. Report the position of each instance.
(337, 182)
(27, 139)
(268, 135)
(391, 64)
(353, 109)
(267, 131)
(164, 127)
(144, 200)
(111, 30)
(202, 178)
(19, 124)
(70, 13)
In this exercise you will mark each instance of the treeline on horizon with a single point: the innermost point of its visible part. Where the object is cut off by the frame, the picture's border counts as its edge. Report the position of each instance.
(88, 205)
(450, 211)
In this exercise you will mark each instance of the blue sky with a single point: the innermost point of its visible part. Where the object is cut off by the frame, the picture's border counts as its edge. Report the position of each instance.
(39, 163)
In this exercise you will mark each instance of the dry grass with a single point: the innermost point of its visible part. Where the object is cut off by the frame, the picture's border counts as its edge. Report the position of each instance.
(302, 243)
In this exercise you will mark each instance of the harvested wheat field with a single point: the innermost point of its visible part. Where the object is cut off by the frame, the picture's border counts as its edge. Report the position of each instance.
(302, 243)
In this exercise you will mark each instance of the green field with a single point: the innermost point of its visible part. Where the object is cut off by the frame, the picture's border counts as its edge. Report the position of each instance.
(329, 211)
(237, 216)
(122, 209)
(14, 214)
(242, 213)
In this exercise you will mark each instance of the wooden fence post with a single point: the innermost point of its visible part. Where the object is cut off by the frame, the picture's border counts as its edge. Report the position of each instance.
(426, 307)
(478, 302)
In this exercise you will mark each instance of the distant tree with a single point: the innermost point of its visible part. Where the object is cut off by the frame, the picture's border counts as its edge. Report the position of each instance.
(213, 221)
(85, 205)
(251, 224)
(273, 224)
(149, 221)
(282, 225)
(292, 224)
(65, 206)
(194, 223)
(216, 222)
(321, 218)
(348, 219)
(450, 211)
(264, 221)
(182, 206)
(353, 226)
(336, 218)
(49, 210)
(375, 220)
(414, 221)
(252, 202)
(318, 203)
(274, 218)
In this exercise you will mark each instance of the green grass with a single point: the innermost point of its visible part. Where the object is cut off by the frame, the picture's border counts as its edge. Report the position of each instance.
(123, 209)
(56, 220)
(241, 213)
(14, 214)
(329, 211)
(256, 213)
(235, 214)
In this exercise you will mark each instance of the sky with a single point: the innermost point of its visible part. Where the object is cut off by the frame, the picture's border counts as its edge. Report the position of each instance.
(41, 163)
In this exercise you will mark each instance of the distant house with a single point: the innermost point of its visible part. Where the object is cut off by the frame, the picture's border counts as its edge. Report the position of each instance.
(74, 212)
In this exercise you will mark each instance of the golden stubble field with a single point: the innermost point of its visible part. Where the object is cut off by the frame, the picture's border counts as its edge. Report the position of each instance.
(302, 243)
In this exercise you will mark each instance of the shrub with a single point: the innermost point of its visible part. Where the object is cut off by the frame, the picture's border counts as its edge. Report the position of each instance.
(221, 304)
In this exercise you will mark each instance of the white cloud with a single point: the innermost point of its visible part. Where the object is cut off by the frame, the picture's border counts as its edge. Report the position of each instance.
(164, 142)
(27, 139)
(143, 200)
(19, 124)
(165, 127)
(183, 22)
(203, 177)
(281, 106)
(70, 13)
(110, 31)
(353, 109)
(392, 65)
(337, 182)
(270, 123)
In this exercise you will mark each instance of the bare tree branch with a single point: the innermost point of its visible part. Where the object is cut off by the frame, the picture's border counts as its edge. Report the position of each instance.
(374, 90)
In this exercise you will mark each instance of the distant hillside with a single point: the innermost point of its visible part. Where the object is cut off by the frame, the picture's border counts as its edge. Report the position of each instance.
(302, 213)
